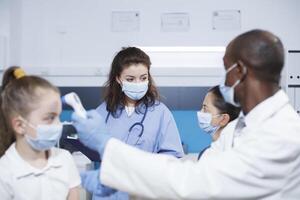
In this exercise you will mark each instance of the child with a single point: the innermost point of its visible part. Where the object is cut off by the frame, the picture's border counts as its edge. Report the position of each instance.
(30, 166)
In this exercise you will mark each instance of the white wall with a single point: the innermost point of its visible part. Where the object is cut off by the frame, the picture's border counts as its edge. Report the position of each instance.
(74, 33)
(4, 17)
(4, 32)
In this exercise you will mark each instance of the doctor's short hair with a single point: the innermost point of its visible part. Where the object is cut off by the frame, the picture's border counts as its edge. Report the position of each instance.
(113, 95)
(261, 51)
(222, 106)
(19, 96)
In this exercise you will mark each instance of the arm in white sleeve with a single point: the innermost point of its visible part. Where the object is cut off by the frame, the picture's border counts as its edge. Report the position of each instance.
(227, 175)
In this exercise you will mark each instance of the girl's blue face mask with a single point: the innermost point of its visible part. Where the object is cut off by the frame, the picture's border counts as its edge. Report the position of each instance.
(204, 121)
(47, 136)
(135, 91)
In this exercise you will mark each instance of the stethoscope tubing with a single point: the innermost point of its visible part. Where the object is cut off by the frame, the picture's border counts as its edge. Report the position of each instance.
(134, 125)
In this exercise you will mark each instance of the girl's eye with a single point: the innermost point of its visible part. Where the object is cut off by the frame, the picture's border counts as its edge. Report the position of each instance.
(50, 118)
(144, 78)
(129, 79)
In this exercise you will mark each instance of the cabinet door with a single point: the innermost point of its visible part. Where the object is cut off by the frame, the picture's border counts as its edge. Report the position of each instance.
(293, 68)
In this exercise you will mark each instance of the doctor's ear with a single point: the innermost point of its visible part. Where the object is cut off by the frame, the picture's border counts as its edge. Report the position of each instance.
(18, 125)
(241, 67)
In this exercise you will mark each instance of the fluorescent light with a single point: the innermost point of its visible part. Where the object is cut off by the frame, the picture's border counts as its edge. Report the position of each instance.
(183, 49)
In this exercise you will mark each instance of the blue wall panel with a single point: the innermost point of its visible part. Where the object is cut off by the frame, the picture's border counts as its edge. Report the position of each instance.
(190, 133)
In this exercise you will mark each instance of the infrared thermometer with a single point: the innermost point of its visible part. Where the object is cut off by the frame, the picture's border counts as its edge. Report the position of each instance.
(73, 100)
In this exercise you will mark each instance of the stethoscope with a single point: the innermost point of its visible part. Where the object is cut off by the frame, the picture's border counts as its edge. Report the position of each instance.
(137, 124)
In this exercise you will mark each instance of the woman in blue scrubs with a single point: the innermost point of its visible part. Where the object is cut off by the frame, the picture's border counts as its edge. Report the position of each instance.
(133, 112)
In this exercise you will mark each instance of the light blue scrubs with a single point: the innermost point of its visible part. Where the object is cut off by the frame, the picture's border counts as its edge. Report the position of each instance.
(160, 133)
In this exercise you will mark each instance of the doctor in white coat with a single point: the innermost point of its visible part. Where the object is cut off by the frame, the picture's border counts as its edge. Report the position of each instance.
(260, 159)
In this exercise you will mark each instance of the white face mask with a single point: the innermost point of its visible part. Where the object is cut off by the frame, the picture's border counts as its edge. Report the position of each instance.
(47, 137)
(204, 121)
(228, 91)
(135, 91)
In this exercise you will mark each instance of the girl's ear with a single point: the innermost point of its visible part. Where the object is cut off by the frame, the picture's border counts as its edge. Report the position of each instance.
(18, 125)
(118, 80)
(225, 120)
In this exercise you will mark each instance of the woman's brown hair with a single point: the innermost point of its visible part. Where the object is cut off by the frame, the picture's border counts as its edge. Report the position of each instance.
(113, 96)
(18, 97)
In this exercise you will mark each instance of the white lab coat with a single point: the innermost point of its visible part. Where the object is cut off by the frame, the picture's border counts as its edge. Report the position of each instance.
(263, 163)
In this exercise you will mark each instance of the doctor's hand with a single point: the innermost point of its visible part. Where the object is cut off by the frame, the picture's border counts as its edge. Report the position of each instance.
(92, 131)
(90, 181)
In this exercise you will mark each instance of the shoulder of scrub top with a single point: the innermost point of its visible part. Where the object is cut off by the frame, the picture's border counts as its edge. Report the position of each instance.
(102, 107)
(161, 110)
(158, 105)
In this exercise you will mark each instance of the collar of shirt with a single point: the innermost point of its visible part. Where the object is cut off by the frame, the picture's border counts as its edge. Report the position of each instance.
(24, 169)
(140, 107)
(129, 110)
(266, 108)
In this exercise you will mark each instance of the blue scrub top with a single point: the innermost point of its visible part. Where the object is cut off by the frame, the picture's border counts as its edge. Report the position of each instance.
(160, 132)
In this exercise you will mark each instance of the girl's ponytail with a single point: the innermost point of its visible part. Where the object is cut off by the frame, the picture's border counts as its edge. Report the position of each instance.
(7, 136)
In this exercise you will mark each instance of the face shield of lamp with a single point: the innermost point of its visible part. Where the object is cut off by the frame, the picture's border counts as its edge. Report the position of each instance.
(46, 111)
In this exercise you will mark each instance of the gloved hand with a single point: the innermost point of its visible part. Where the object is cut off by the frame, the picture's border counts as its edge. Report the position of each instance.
(92, 131)
(90, 180)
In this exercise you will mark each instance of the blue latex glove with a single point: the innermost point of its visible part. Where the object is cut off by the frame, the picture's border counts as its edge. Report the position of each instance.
(92, 131)
(90, 180)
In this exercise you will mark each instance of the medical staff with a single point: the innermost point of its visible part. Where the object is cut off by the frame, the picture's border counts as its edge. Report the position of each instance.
(263, 161)
(132, 112)
(215, 114)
